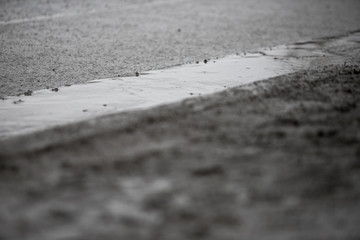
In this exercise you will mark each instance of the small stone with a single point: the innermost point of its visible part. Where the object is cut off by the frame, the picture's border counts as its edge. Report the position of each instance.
(205, 61)
(137, 74)
(18, 101)
(28, 93)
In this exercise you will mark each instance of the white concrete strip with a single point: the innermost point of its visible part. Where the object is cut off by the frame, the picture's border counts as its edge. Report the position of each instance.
(47, 108)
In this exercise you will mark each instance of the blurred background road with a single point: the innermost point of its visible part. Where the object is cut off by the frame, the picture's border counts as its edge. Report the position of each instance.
(53, 43)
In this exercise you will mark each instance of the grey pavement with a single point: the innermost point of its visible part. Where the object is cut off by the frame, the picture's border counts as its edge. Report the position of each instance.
(54, 43)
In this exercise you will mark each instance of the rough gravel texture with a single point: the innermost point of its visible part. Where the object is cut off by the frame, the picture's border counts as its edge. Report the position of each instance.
(277, 159)
(66, 42)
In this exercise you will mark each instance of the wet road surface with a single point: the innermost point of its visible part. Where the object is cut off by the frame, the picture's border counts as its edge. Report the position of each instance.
(52, 44)
(38, 110)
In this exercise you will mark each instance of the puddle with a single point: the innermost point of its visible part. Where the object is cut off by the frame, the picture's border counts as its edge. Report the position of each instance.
(46, 108)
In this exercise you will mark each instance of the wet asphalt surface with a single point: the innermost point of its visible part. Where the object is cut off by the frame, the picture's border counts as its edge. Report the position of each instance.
(56, 43)
(277, 159)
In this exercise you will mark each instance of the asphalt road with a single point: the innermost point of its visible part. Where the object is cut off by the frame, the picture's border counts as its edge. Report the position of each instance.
(277, 159)
(53, 43)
